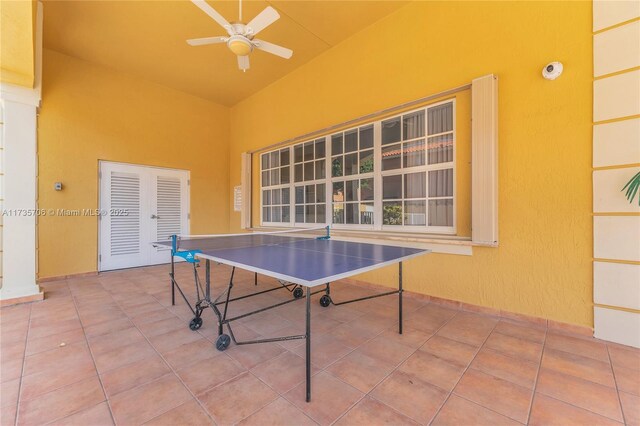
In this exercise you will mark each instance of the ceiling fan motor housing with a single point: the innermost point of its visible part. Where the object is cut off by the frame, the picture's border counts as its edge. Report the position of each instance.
(239, 45)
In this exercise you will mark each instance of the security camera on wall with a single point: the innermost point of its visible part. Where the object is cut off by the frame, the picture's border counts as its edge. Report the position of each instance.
(552, 70)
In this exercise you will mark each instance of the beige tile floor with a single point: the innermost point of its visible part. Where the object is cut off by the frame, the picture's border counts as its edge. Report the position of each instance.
(111, 349)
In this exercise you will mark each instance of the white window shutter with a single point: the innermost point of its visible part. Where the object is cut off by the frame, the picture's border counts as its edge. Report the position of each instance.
(245, 183)
(125, 229)
(484, 160)
(169, 208)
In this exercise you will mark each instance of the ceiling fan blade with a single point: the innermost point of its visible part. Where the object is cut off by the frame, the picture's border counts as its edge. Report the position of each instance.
(274, 49)
(265, 18)
(243, 62)
(204, 6)
(206, 40)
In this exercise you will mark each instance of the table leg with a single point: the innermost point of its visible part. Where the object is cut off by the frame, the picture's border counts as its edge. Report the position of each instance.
(400, 298)
(308, 343)
(173, 282)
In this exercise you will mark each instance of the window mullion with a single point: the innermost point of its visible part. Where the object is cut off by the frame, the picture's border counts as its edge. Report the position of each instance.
(377, 175)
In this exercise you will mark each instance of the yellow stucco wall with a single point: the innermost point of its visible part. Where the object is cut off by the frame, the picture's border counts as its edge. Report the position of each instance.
(17, 20)
(90, 113)
(543, 264)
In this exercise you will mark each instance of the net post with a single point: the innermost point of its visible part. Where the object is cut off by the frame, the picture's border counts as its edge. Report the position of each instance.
(174, 245)
(400, 298)
(308, 344)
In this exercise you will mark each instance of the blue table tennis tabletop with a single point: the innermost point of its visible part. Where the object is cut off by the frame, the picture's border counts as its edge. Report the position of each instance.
(307, 262)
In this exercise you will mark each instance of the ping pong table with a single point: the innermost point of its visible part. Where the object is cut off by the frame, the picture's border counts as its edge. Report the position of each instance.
(300, 260)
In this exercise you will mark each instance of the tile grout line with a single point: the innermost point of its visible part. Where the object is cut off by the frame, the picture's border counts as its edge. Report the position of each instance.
(175, 373)
(75, 305)
(465, 372)
(24, 361)
(402, 362)
(615, 381)
(535, 383)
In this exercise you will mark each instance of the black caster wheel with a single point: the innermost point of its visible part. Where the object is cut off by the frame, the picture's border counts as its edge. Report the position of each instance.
(325, 300)
(195, 323)
(298, 292)
(222, 342)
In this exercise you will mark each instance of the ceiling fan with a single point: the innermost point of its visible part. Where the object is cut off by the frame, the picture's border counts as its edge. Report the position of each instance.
(241, 39)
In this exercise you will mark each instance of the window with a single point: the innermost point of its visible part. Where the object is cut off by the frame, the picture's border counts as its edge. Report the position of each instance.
(393, 174)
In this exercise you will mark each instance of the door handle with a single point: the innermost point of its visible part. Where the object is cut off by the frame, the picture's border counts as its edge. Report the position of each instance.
(153, 216)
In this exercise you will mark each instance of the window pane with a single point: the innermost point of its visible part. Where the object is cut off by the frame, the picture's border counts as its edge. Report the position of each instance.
(308, 151)
(440, 212)
(413, 125)
(440, 119)
(391, 157)
(415, 213)
(299, 214)
(336, 144)
(366, 137)
(321, 193)
(284, 157)
(297, 153)
(338, 192)
(366, 161)
(276, 214)
(286, 216)
(310, 214)
(366, 213)
(320, 148)
(392, 213)
(266, 214)
(275, 159)
(266, 198)
(392, 187)
(308, 171)
(415, 185)
(391, 131)
(351, 141)
(285, 196)
(320, 214)
(284, 175)
(440, 149)
(441, 183)
(351, 164)
(351, 190)
(275, 176)
(265, 161)
(366, 189)
(338, 213)
(413, 153)
(299, 194)
(351, 213)
(275, 196)
(310, 194)
(336, 166)
(298, 172)
(320, 172)
(265, 178)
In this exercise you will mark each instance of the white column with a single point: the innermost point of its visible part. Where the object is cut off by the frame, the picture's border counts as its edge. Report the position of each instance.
(19, 182)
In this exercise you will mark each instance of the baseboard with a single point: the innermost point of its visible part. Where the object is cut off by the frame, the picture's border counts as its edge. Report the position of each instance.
(484, 310)
(66, 277)
(24, 299)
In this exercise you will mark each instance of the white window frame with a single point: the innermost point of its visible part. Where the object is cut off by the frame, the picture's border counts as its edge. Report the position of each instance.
(377, 176)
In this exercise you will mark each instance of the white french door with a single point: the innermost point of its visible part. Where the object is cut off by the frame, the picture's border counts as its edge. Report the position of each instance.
(140, 205)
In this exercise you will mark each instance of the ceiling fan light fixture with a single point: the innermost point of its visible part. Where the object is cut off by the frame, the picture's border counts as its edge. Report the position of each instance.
(239, 45)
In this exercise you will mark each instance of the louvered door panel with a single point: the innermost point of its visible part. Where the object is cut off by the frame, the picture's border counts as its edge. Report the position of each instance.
(169, 198)
(125, 228)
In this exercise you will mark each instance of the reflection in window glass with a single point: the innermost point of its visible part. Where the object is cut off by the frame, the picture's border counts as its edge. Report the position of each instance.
(308, 171)
(441, 212)
(285, 196)
(440, 118)
(351, 141)
(310, 213)
(351, 164)
(366, 161)
(297, 153)
(265, 161)
(266, 197)
(366, 214)
(299, 214)
(286, 216)
(284, 175)
(391, 157)
(299, 194)
(275, 177)
(275, 159)
(320, 213)
(366, 189)
(265, 178)
(351, 213)
(310, 194)
(336, 144)
(415, 185)
(391, 131)
(413, 153)
(392, 187)
(351, 190)
(441, 183)
(415, 213)
(320, 193)
(336, 167)
(320, 172)
(266, 214)
(338, 213)
(320, 148)
(392, 213)
(440, 148)
(366, 137)
(275, 196)
(413, 125)
(338, 192)
(284, 157)
(308, 151)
